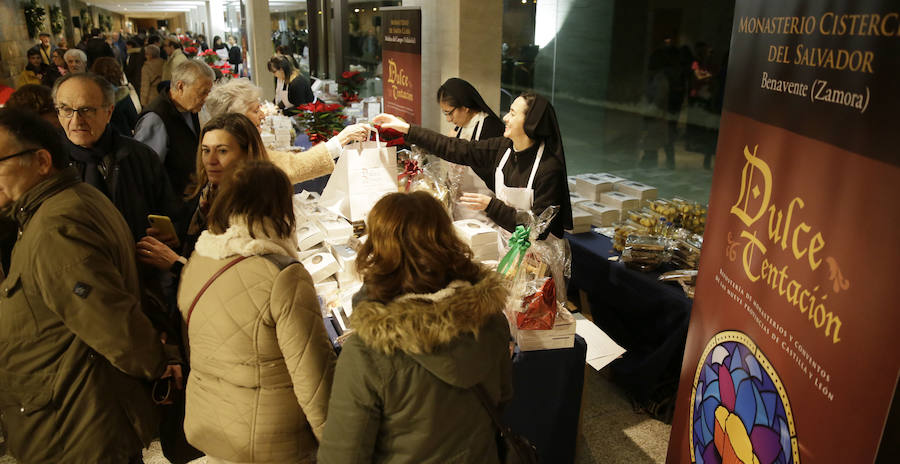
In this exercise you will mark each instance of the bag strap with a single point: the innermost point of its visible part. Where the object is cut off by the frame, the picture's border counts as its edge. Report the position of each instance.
(208, 283)
(492, 411)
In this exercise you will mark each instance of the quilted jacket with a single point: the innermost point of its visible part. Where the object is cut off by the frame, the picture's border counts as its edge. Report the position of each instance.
(261, 362)
(402, 385)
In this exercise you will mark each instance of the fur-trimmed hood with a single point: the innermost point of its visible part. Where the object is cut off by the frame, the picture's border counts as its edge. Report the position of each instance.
(237, 241)
(447, 332)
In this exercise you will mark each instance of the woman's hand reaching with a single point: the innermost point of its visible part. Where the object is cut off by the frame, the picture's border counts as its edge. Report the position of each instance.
(389, 121)
(354, 133)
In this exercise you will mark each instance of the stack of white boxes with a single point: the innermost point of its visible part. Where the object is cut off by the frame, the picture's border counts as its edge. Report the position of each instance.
(282, 129)
(562, 335)
(643, 192)
(336, 230)
(581, 220)
(601, 215)
(480, 238)
(575, 199)
(620, 201)
(591, 186)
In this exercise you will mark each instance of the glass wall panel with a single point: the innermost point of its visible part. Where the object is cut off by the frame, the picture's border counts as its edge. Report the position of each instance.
(637, 84)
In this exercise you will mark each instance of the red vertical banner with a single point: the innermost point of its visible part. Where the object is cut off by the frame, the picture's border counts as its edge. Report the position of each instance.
(401, 62)
(789, 357)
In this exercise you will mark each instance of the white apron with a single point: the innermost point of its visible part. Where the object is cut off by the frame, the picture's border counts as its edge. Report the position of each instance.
(468, 180)
(281, 93)
(517, 197)
(523, 198)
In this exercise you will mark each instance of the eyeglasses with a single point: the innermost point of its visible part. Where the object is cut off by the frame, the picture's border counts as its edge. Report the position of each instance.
(449, 113)
(84, 112)
(21, 153)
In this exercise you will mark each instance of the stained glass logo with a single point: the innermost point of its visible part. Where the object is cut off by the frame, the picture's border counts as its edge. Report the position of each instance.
(741, 412)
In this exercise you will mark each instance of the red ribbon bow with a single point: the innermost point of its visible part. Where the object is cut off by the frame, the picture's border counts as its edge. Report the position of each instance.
(391, 136)
(410, 169)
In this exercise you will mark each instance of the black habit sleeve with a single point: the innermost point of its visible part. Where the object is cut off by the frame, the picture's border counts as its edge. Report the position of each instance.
(482, 156)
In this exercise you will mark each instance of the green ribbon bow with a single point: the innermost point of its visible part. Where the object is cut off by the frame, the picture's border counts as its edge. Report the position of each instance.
(518, 245)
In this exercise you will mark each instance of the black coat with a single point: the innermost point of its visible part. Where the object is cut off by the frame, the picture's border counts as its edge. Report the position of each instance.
(484, 156)
(300, 91)
(181, 158)
(133, 68)
(135, 180)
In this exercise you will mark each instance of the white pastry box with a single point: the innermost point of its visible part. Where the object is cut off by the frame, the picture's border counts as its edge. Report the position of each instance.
(321, 266)
(346, 258)
(603, 216)
(619, 200)
(481, 238)
(636, 189)
(581, 220)
(308, 235)
(572, 181)
(575, 198)
(590, 186)
(562, 335)
(335, 230)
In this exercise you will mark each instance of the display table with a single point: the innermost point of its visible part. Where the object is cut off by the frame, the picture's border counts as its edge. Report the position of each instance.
(647, 317)
(546, 404)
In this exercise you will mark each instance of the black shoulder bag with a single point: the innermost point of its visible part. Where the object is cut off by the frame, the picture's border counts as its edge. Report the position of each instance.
(518, 449)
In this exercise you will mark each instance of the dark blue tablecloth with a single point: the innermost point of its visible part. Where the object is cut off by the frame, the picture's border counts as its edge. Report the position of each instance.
(546, 402)
(647, 317)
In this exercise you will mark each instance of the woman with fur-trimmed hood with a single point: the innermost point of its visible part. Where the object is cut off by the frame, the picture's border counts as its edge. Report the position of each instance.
(428, 328)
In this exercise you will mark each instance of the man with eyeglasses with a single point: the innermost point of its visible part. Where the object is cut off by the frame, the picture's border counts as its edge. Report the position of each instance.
(77, 354)
(127, 171)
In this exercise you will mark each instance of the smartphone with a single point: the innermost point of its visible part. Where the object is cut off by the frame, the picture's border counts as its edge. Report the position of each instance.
(162, 224)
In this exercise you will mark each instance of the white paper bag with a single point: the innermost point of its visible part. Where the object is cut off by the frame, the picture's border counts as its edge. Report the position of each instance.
(372, 167)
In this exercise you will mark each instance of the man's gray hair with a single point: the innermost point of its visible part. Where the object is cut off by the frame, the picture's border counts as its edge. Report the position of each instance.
(108, 90)
(233, 96)
(76, 53)
(153, 50)
(191, 70)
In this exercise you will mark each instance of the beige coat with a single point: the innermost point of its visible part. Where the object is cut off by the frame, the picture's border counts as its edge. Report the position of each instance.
(177, 57)
(262, 364)
(299, 167)
(151, 75)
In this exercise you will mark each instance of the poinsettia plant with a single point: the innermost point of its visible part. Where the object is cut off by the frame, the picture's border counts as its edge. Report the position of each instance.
(209, 56)
(320, 121)
(349, 84)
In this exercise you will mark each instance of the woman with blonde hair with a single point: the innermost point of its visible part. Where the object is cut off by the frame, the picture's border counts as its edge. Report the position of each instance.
(241, 96)
(261, 362)
(429, 335)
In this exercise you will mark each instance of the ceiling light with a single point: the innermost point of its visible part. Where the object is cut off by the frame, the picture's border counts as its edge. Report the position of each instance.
(356, 10)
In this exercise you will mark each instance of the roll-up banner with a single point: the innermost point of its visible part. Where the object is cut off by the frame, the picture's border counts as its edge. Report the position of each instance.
(790, 355)
(401, 62)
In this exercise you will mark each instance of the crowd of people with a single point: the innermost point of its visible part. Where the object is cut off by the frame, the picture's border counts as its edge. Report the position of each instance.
(148, 260)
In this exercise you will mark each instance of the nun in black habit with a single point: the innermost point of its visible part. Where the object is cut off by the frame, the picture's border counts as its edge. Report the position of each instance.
(526, 168)
(472, 120)
(463, 107)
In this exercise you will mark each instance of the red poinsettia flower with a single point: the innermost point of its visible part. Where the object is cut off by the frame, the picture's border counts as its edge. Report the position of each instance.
(209, 52)
(190, 50)
(349, 74)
